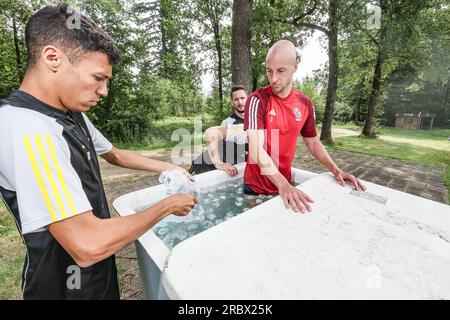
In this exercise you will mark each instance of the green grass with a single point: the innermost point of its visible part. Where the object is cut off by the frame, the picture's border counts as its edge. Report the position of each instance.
(418, 146)
(12, 255)
(435, 139)
(349, 126)
(160, 136)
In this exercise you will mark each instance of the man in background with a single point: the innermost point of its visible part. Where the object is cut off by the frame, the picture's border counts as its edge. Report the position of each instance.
(227, 143)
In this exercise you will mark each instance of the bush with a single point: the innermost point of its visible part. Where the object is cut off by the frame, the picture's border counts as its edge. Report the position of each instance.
(342, 112)
(310, 89)
(128, 116)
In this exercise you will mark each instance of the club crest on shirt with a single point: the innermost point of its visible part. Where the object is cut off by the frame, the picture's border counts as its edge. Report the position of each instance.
(298, 114)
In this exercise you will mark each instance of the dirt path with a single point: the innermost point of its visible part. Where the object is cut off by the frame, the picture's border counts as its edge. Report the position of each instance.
(338, 133)
(421, 180)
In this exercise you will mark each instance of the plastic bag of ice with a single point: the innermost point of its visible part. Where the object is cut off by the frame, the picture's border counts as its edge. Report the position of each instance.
(175, 182)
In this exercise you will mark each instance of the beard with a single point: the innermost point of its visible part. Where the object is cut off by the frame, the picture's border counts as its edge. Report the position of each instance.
(239, 110)
(282, 87)
(279, 88)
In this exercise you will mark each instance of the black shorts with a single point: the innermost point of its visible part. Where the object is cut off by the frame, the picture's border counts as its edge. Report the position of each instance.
(249, 191)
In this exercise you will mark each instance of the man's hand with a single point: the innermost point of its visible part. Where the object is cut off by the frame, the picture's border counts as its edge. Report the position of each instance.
(295, 198)
(342, 176)
(228, 168)
(180, 204)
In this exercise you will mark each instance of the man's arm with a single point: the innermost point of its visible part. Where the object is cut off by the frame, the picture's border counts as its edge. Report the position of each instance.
(292, 197)
(213, 137)
(89, 239)
(132, 160)
(320, 153)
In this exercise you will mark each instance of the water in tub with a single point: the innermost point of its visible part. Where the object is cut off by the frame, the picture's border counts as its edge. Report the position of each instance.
(216, 204)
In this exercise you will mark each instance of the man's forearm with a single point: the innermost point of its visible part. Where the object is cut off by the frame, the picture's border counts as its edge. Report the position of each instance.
(133, 160)
(213, 151)
(269, 169)
(213, 136)
(259, 155)
(97, 239)
(320, 153)
(115, 233)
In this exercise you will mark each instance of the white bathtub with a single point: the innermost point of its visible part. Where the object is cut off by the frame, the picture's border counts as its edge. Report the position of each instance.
(381, 244)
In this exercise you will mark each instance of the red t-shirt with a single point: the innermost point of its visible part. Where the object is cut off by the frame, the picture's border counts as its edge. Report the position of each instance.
(283, 120)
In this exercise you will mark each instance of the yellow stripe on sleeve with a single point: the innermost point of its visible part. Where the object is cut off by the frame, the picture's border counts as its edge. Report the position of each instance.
(60, 174)
(37, 174)
(49, 174)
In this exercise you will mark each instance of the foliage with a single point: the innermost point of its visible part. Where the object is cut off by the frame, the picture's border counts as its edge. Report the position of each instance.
(169, 44)
(309, 87)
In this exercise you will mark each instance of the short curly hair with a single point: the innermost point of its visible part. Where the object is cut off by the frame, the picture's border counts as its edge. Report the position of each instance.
(51, 26)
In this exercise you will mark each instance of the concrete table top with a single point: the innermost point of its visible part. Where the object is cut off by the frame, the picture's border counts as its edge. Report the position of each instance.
(381, 244)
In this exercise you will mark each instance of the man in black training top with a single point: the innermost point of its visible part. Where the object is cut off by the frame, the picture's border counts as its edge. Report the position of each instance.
(49, 173)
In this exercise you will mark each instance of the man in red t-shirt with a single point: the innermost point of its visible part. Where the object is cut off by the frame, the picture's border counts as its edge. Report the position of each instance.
(274, 117)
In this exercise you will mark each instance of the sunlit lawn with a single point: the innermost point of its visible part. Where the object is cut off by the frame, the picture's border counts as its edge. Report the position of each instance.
(419, 146)
(12, 253)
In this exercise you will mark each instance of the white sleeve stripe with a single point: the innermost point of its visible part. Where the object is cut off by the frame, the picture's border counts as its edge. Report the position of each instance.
(250, 116)
(255, 114)
(254, 103)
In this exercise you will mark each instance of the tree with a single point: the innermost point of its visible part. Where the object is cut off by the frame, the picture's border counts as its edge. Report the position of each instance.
(395, 39)
(13, 16)
(270, 24)
(241, 44)
(311, 17)
(214, 11)
(420, 80)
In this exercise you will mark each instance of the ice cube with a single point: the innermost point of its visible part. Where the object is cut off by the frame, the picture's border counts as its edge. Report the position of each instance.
(162, 231)
(192, 227)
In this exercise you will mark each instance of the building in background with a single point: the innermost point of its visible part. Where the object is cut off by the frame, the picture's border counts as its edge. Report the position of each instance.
(421, 120)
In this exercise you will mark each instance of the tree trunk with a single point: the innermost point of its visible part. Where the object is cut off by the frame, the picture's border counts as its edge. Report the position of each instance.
(376, 84)
(255, 82)
(360, 100)
(241, 44)
(376, 81)
(333, 70)
(358, 111)
(164, 71)
(16, 45)
(218, 44)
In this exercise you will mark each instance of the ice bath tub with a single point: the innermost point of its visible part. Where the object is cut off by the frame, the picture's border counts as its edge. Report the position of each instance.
(381, 244)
